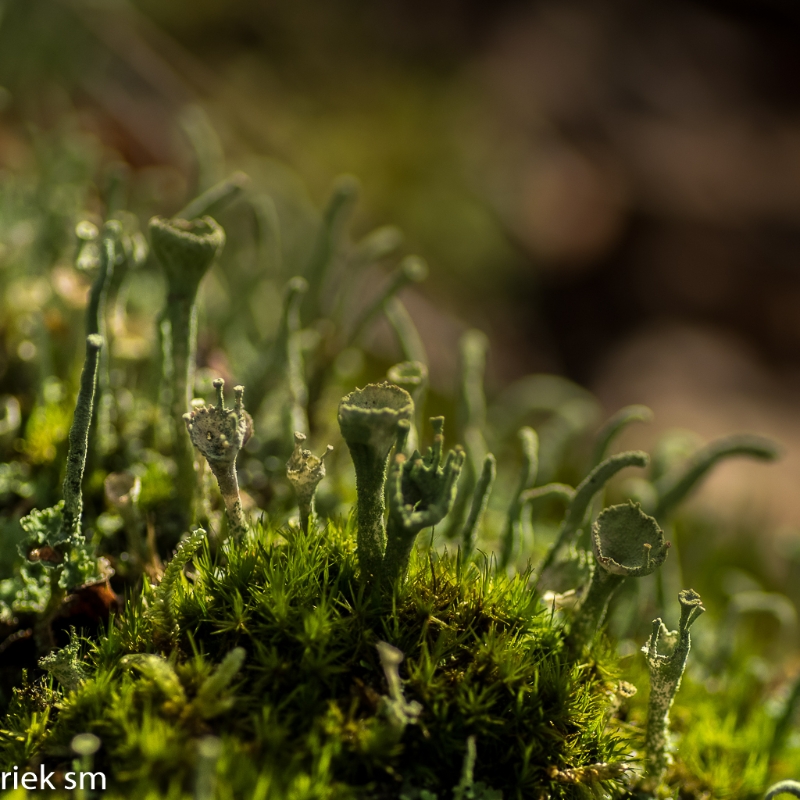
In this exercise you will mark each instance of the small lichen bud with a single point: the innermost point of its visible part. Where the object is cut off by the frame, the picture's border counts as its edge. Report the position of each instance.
(219, 433)
(304, 471)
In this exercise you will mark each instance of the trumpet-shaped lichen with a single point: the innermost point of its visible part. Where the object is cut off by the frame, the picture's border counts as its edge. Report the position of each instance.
(368, 420)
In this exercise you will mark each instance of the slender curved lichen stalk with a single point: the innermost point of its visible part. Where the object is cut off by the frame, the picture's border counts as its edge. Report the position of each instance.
(585, 491)
(79, 436)
(54, 536)
(219, 433)
(480, 499)
(512, 535)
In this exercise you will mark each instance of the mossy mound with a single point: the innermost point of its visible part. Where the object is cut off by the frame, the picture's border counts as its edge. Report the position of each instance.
(305, 716)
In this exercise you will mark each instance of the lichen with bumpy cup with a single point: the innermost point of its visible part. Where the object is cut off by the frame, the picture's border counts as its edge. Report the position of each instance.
(368, 420)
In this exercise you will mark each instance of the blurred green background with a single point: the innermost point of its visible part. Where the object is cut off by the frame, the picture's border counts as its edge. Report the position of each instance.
(610, 191)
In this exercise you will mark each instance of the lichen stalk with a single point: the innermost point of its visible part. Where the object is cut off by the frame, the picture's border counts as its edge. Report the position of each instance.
(627, 543)
(185, 250)
(304, 471)
(219, 433)
(512, 535)
(96, 323)
(368, 420)
(666, 671)
(586, 490)
(471, 419)
(79, 436)
(480, 499)
(421, 493)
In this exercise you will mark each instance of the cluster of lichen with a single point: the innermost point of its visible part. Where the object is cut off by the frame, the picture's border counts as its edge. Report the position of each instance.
(275, 657)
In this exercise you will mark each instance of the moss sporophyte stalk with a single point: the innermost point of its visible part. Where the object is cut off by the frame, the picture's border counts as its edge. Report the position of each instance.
(350, 656)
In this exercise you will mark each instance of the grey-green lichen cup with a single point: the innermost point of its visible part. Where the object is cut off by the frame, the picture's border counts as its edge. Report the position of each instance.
(627, 543)
(368, 420)
(185, 249)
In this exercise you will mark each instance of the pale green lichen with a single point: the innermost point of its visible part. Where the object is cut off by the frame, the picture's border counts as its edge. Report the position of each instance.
(676, 484)
(666, 670)
(57, 556)
(421, 493)
(394, 708)
(513, 533)
(584, 493)
(613, 427)
(626, 543)
(368, 420)
(185, 250)
(480, 499)
(219, 433)
(413, 377)
(304, 471)
(412, 269)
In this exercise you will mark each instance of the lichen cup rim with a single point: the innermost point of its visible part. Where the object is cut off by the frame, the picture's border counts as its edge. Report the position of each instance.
(637, 549)
(370, 415)
(413, 373)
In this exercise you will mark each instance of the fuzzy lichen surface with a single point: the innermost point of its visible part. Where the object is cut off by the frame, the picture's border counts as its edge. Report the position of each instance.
(626, 543)
(666, 670)
(219, 433)
(368, 420)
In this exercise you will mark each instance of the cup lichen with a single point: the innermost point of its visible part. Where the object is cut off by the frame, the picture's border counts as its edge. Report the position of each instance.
(368, 420)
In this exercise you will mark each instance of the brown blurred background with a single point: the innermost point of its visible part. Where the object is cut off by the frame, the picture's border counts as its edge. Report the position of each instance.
(610, 190)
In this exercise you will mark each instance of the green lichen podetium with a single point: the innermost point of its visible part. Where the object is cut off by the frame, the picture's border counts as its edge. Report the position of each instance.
(304, 471)
(626, 543)
(219, 433)
(413, 377)
(79, 436)
(584, 493)
(513, 533)
(421, 493)
(471, 418)
(368, 420)
(666, 670)
(185, 249)
(480, 499)
(57, 557)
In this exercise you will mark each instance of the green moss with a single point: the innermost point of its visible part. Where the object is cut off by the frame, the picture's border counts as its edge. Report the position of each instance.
(483, 658)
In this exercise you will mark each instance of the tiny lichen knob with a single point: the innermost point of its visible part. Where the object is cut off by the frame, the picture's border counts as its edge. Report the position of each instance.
(219, 433)
(185, 249)
(304, 471)
(368, 420)
(628, 542)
